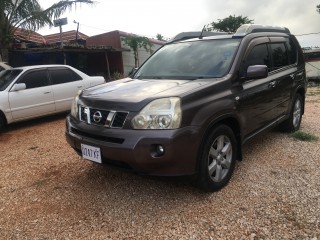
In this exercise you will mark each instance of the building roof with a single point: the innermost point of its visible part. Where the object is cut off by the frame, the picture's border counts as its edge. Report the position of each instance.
(66, 37)
(29, 36)
(70, 36)
(113, 39)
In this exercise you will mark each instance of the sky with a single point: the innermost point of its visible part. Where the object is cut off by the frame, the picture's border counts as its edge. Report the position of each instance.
(170, 17)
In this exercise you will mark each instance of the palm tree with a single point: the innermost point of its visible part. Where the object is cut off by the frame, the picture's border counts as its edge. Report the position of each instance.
(29, 15)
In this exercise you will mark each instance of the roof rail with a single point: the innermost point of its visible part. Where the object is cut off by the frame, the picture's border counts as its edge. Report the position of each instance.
(188, 35)
(254, 28)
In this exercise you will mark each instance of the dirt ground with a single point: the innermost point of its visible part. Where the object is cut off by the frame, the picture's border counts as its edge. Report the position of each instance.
(48, 192)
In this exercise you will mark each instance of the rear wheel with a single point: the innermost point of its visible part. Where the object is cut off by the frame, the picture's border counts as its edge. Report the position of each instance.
(292, 124)
(217, 159)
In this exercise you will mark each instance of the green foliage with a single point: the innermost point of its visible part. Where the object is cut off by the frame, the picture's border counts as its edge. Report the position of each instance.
(229, 24)
(302, 136)
(117, 75)
(318, 8)
(160, 37)
(29, 15)
(135, 42)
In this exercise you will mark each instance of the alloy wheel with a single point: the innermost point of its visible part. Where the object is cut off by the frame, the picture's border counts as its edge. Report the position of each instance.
(220, 158)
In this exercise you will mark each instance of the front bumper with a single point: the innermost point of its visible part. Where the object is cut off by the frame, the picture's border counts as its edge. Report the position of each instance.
(136, 149)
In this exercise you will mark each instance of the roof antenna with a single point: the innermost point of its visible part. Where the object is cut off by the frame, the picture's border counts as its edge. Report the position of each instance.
(201, 35)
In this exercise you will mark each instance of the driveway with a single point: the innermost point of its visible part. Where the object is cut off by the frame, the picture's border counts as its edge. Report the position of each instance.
(48, 192)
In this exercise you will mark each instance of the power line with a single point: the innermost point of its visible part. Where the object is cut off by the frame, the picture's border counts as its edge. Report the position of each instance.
(298, 35)
(105, 30)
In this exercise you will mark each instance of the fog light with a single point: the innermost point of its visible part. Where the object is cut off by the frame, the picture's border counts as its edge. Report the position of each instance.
(160, 150)
(157, 150)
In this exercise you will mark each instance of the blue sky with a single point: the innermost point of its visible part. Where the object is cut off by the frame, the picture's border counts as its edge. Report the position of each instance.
(169, 17)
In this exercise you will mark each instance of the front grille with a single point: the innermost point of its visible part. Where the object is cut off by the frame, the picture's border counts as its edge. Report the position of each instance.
(106, 118)
(97, 137)
(119, 119)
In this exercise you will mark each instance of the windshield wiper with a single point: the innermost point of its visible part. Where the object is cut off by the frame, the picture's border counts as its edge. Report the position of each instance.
(174, 77)
(149, 77)
(205, 77)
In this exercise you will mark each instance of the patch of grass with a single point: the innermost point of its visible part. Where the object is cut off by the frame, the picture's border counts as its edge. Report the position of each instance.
(302, 136)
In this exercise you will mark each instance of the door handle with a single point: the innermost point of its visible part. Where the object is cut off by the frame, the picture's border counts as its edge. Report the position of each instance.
(46, 92)
(79, 86)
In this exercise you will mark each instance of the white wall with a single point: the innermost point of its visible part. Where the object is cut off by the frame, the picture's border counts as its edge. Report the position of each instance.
(128, 56)
(313, 69)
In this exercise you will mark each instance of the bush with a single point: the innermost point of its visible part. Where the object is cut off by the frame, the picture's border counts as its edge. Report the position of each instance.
(117, 75)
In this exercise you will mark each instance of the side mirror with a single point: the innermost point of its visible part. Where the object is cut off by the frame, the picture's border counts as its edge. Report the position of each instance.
(18, 87)
(257, 71)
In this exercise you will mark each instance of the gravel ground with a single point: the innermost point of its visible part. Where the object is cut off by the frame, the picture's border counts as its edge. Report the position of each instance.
(48, 192)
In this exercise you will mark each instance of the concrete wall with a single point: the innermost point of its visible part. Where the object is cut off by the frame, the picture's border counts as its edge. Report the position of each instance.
(128, 56)
(312, 59)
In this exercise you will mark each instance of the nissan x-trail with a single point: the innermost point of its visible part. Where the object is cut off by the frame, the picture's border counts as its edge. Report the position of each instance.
(193, 104)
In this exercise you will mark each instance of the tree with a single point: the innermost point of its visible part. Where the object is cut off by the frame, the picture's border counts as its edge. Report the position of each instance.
(160, 37)
(229, 24)
(28, 15)
(318, 8)
(135, 42)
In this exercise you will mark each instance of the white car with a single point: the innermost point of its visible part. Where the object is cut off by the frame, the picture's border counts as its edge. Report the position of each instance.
(33, 91)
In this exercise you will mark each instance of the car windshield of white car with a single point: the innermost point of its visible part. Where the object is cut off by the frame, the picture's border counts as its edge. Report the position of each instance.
(6, 77)
(190, 60)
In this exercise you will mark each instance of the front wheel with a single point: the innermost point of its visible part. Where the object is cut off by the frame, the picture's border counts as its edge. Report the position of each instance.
(2, 122)
(217, 159)
(292, 124)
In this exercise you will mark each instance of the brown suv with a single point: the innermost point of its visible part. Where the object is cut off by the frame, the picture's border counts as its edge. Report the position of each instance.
(192, 105)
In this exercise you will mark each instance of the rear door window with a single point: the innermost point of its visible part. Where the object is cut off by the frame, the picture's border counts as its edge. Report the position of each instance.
(292, 51)
(63, 75)
(279, 55)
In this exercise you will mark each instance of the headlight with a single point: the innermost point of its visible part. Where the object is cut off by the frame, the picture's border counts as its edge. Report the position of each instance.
(74, 106)
(164, 113)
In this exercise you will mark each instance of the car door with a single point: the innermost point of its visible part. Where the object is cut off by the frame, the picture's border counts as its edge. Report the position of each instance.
(36, 99)
(284, 71)
(257, 99)
(65, 84)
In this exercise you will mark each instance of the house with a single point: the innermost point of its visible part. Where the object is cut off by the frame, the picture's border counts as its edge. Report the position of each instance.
(27, 39)
(67, 37)
(104, 54)
(124, 58)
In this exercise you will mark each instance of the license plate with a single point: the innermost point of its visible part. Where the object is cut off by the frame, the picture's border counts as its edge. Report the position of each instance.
(91, 153)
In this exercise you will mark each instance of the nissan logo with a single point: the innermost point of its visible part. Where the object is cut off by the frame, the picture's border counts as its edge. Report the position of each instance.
(97, 116)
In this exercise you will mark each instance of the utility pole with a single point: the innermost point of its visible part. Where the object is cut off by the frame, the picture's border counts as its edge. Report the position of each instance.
(74, 21)
(59, 23)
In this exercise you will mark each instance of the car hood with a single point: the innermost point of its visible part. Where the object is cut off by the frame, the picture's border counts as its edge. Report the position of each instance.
(133, 94)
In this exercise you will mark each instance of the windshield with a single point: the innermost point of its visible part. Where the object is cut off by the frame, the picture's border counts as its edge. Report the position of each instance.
(6, 77)
(190, 60)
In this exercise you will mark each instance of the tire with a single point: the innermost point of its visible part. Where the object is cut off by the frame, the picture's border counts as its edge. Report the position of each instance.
(2, 122)
(292, 124)
(217, 160)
